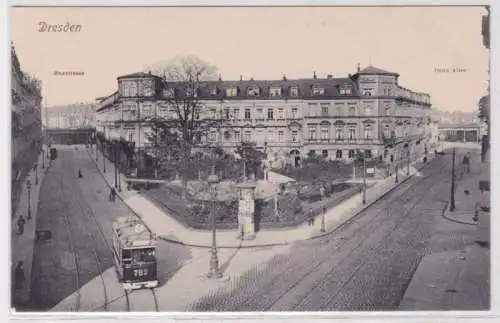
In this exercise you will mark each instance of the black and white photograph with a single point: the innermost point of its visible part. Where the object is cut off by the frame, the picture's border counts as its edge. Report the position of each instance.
(249, 159)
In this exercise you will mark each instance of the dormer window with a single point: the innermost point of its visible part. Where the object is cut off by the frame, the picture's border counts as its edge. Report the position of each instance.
(294, 91)
(253, 91)
(368, 92)
(213, 91)
(345, 90)
(169, 92)
(275, 91)
(232, 91)
(318, 90)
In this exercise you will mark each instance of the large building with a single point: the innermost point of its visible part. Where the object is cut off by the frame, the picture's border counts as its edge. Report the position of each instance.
(26, 122)
(289, 119)
(70, 116)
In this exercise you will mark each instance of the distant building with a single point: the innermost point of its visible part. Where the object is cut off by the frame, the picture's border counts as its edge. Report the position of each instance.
(70, 116)
(289, 119)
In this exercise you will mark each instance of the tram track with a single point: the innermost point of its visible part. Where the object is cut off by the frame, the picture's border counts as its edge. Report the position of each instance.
(364, 227)
(68, 193)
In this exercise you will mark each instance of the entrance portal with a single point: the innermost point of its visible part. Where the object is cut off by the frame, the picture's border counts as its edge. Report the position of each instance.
(295, 156)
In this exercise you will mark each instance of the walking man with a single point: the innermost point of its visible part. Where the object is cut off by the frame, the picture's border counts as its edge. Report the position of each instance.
(112, 194)
(20, 224)
(19, 278)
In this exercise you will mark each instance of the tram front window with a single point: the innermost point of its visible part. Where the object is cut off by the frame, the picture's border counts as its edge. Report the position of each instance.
(143, 255)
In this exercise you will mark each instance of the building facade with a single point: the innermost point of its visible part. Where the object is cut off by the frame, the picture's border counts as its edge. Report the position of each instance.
(288, 119)
(70, 116)
(26, 122)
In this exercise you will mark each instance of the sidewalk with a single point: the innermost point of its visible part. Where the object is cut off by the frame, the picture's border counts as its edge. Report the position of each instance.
(457, 279)
(23, 245)
(169, 229)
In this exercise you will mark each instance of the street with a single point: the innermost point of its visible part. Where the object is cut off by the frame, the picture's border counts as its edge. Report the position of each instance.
(366, 265)
(80, 217)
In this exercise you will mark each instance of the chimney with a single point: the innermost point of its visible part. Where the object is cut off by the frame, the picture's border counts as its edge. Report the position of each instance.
(329, 76)
(284, 77)
(315, 76)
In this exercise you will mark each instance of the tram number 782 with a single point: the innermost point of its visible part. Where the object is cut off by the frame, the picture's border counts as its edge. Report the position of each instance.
(140, 272)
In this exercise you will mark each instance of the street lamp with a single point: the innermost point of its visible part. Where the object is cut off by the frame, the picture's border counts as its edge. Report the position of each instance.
(408, 162)
(28, 186)
(323, 229)
(104, 156)
(214, 262)
(452, 197)
(116, 166)
(35, 167)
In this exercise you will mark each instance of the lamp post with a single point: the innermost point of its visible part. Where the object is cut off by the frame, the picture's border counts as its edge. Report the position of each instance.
(28, 187)
(43, 158)
(452, 197)
(35, 167)
(364, 179)
(116, 166)
(323, 229)
(408, 162)
(214, 262)
(103, 155)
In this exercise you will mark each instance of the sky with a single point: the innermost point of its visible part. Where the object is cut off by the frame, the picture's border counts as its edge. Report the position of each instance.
(263, 43)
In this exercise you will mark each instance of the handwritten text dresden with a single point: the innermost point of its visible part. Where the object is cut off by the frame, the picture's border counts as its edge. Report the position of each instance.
(58, 28)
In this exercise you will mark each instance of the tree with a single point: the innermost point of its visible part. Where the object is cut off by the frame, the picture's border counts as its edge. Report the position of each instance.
(187, 123)
(251, 157)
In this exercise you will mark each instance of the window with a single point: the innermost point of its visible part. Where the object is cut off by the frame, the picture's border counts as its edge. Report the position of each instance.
(247, 114)
(387, 132)
(352, 133)
(368, 132)
(231, 91)
(294, 136)
(191, 93)
(352, 111)
(280, 136)
(318, 90)
(270, 135)
(324, 109)
(253, 91)
(368, 92)
(270, 113)
(236, 113)
(389, 92)
(345, 90)
(368, 153)
(324, 132)
(169, 92)
(227, 113)
(212, 136)
(338, 154)
(237, 137)
(312, 133)
(338, 133)
(281, 113)
(368, 110)
(324, 153)
(294, 91)
(275, 91)
(351, 153)
(213, 91)
(247, 136)
(227, 135)
(294, 113)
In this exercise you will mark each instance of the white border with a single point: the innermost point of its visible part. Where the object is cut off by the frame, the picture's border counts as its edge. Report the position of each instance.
(452, 316)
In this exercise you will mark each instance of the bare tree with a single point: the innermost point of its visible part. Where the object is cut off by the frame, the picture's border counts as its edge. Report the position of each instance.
(186, 80)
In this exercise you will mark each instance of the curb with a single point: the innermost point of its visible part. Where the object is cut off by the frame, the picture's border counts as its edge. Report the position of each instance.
(347, 221)
(240, 244)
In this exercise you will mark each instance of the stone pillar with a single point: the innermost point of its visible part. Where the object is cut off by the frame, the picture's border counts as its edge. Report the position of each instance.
(246, 210)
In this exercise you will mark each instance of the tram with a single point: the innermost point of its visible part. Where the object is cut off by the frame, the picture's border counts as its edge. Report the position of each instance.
(134, 250)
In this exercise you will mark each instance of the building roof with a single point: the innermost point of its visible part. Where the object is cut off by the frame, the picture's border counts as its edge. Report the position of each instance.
(137, 75)
(459, 125)
(375, 71)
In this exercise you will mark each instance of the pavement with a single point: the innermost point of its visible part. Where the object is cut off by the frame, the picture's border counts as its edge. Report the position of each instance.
(457, 278)
(169, 229)
(23, 245)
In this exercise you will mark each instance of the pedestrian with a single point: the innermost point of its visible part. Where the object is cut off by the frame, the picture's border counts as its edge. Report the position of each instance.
(19, 278)
(20, 224)
(80, 174)
(310, 218)
(112, 194)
